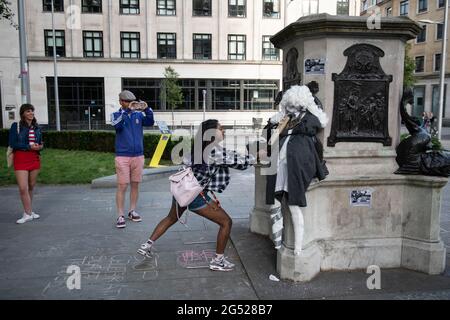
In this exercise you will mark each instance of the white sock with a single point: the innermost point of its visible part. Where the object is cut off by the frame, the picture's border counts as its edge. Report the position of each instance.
(219, 256)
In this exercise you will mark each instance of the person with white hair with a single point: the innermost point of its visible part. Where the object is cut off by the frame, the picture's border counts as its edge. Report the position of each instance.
(297, 123)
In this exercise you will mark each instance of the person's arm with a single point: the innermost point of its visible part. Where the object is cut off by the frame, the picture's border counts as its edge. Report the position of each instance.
(117, 119)
(14, 139)
(148, 119)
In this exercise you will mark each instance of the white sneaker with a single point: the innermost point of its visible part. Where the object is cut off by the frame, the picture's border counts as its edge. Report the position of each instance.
(35, 216)
(25, 218)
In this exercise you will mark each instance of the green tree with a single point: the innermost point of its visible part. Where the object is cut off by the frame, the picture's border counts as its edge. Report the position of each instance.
(170, 91)
(410, 66)
(6, 13)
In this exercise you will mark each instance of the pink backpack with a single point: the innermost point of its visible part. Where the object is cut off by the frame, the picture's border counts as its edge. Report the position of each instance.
(184, 187)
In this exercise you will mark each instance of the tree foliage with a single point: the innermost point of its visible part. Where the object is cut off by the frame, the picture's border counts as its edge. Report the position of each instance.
(6, 13)
(171, 91)
(409, 78)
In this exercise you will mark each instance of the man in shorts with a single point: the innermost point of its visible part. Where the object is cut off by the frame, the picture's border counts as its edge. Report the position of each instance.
(129, 153)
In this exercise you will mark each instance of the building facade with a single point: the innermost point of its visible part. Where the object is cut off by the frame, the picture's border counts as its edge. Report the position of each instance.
(425, 50)
(220, 49)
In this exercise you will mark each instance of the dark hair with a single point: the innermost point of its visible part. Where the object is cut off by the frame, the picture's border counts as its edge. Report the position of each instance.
(204, 127)
(25, 107)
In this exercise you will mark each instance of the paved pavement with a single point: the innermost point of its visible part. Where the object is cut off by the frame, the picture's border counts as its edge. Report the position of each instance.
(77, 228)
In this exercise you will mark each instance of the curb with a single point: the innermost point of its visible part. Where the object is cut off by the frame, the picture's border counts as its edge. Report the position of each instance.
(147, 175)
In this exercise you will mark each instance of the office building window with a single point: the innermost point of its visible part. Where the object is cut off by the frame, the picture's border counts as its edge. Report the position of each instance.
(201, 8)
(404, 8)
(422, 6)
(437, 62)
(439, 31)
(60, 43)
(93, 44)
(343, 7)
(419, 101)
(389, 12)
(166, 7)
(236, 47)
(237, 8)
(441, 3)
(420, 64)
(129, 7)
(130, 45)
(202, 47)
(59, 5)
(91, 6)
(422, 37)
(271, 8)
(310, 7)
(269, 52)
(167, 45)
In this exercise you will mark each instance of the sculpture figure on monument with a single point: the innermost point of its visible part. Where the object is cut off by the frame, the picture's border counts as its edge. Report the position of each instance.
(297, 125)
(415, 154)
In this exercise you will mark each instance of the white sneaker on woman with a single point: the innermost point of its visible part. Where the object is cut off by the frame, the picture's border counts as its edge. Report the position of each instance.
(35, 216)
(25, 218)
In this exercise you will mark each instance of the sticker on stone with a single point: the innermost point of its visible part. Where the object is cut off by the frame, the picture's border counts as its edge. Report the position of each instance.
(361, 198)
(315, 66)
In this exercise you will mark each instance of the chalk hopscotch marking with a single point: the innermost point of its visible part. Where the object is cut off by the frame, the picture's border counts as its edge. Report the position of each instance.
(191, 259)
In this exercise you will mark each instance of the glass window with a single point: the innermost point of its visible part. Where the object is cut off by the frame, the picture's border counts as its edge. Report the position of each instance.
(420, 64)
(59, 5)
(439, 31)
(271, 8)
(129, 7)
(237, 8)
(419, 101)
(260, 94)
(167, 45)
(310, 7)
(202, 47)
(91, 6)
(441, 3)
(201, 8)
(60, 43)
(130, 45)
(166, 7)
(422, 6)
(404, 8)
(343, 7)
(93, 44)
(269, 52)
(236, 47)
(422, 37)
(437, 62)
(147, 90)
(435, 102)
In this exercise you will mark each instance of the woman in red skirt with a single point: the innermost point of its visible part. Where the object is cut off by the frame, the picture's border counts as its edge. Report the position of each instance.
(25, 138)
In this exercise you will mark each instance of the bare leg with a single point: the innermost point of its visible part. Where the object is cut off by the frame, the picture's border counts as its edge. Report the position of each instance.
(167, 222)
(299, 228)
(120, 197)
(32, 183)
(217, 215)
(22, 181)
(134, 195)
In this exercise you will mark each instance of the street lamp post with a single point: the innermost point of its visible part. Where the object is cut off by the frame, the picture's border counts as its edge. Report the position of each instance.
(23, 54)
(443, 67)
(204, 105)
(55, 65)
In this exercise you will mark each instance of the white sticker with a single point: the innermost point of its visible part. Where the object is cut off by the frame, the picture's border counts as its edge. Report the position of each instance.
(361, 198)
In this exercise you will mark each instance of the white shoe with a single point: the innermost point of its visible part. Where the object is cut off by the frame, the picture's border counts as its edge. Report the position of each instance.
(35, 216)
(25, 218)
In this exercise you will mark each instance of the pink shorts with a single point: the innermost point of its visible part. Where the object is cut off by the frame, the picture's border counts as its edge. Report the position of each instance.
(129, 169)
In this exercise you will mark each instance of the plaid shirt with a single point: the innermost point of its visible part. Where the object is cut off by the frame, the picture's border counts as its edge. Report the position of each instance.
(215, 176)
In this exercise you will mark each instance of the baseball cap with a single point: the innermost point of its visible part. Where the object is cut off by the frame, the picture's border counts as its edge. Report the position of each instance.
(127, 96)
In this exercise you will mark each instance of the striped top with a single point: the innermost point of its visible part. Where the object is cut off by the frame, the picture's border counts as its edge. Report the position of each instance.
(31, 136)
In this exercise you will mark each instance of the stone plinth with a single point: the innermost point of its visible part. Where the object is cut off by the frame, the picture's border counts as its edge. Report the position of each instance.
(399, 229)
(399, 226)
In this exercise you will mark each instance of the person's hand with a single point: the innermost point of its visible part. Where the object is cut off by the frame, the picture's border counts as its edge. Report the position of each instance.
(37, 147)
